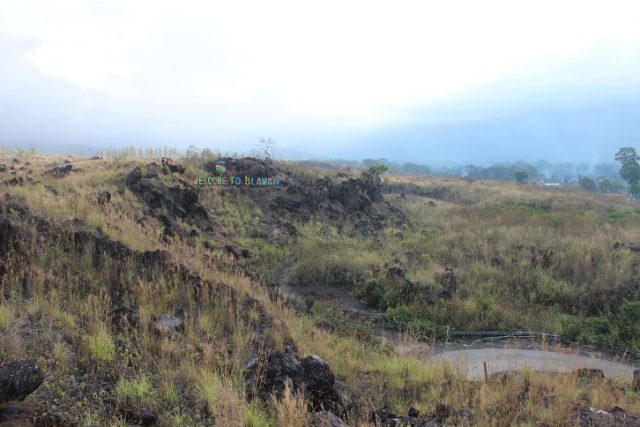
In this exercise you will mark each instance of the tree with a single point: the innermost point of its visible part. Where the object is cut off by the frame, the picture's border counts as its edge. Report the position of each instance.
(606, 185)
(629, 168)
(587, 183)
(521, 176)
(378, 169)
(266, 146)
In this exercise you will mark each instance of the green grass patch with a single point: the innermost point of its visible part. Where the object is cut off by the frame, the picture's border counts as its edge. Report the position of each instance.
(100, 345)
(135, 391)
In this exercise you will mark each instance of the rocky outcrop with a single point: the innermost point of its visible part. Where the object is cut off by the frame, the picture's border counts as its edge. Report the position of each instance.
(248, 166)
(442, 415)
(60, 171)
(325, 419)
(449, 282)
(76, 238)
(311, 375)
(9, 237)
(176, 169)
(631, 247)
(168, 326)
(19, 379)
(168, 202)
(15, 181)
(616, 416)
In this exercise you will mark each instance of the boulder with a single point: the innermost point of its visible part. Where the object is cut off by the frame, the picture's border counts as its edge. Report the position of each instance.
(176, 169)
(3, 168)
(616, 416)
(139, 416)
(317, 376)
(19, 379)
(15, 181)
(326, 419)
(248, 166)
(388, 419)
(312, 375)
(103, 197)
(167, 325)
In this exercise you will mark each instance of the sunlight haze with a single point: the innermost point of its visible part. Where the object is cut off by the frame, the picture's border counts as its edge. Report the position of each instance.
(322, 78)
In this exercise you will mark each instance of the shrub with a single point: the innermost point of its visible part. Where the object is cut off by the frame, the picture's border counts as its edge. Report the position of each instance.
(629, 322)
(598, 330)
(405, 317)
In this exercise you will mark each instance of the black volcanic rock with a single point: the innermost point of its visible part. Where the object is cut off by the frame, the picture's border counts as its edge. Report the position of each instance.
(168, 202)
(19, 379)
(312, 375)
(60, 171)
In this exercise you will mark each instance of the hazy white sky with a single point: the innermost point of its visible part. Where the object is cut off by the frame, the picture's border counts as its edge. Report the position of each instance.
(237, 70)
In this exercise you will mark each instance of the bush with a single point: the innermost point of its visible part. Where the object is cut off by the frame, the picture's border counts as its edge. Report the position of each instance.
(629, 322)
(587, 183)
(596, 330)
(372, 292)
(405, 317)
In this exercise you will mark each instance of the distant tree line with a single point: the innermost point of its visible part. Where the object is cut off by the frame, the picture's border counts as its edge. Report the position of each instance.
(603, 177)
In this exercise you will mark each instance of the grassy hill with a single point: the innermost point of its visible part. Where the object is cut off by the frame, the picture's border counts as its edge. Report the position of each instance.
(147, 304)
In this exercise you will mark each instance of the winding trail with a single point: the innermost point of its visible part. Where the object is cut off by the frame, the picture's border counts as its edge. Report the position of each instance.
(512, 357)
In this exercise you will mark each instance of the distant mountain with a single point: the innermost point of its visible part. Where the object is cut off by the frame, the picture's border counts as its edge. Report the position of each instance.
(589, 135)
(53, 148)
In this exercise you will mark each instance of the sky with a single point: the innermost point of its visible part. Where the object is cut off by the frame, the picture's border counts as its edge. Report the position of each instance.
(428, 81)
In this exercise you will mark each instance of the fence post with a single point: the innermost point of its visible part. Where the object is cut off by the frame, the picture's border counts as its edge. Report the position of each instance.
(486, 376)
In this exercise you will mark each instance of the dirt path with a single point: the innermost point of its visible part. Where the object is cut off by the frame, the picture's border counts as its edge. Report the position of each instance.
(499, 356)
(504, 359)
(334, 295)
